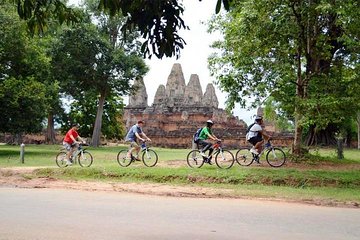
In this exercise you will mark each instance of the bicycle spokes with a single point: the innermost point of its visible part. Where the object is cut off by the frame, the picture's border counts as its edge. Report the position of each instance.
(194, 159)
(224, 159)
(275, 157)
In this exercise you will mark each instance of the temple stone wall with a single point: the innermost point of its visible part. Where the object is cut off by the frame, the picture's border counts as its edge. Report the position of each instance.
(179, 109)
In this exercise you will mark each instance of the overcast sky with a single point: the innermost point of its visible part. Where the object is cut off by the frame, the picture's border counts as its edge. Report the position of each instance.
(193, 57)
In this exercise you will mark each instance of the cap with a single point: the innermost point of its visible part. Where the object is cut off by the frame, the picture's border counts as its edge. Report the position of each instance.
(209, 121)
(258, 117)
(75, 125)
(140, 121)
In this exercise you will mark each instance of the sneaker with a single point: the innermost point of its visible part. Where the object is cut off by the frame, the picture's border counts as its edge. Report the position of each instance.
(68, 163)
(203, 154)
(254, 151)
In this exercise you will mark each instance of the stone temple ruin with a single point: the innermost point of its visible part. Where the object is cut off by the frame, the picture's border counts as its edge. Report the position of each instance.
(179, 109)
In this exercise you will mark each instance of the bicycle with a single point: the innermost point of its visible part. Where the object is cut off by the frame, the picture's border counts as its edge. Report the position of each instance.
(149, 157)
(80, 155)
(223, 158)
(275, 156)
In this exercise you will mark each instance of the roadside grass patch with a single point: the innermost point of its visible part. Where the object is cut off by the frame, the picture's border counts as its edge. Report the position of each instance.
(267, 177)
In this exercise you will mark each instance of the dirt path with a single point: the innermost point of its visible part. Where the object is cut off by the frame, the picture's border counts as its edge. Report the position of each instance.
(20, 178)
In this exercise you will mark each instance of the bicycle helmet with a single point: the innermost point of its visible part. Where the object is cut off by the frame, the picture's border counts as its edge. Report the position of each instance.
(257, 118)
(209, 122)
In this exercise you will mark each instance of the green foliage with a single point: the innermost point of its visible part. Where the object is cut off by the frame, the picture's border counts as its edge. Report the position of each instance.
(303, 54)
(272, 112)
(39, 13)
(93, 70)
(24, 69)
(83, 111)
(22, 104)
(85, 61)
(158, 21)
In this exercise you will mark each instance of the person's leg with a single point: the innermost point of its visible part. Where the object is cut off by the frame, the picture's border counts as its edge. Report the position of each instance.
(258, 145)
(133, 147)
(69, 152)
(134, 151)
(211, 149)
(204, 146)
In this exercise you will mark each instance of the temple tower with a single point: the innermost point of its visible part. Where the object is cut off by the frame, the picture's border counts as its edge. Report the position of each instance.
(193, 91)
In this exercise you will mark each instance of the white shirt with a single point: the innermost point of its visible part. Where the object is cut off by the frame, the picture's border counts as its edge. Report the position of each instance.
(254, 131)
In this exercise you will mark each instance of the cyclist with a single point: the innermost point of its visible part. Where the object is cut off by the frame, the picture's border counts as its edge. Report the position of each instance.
(256, 134)
(204, 135)
(133, 136)
(70, 142)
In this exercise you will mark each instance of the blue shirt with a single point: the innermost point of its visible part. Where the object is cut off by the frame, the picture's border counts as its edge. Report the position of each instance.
(131, 134)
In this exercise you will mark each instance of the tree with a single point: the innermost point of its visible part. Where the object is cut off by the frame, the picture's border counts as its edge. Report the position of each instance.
(158, 21)
(86, 62)
(22, 63)
(295, 51)
(38, 13)
(358, 126)
(83, 111)
(22, 106)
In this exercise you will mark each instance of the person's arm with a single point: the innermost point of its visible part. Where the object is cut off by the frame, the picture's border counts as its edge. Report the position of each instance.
(81, 139)
(215, 138)
(72, 138)
(144, 135)
(212, 136)
(138, 136)
(266, 136)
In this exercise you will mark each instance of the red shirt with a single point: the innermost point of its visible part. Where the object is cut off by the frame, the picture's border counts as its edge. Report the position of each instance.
(68, 134)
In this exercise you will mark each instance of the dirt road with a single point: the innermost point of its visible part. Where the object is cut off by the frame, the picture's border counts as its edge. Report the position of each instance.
(72, 214)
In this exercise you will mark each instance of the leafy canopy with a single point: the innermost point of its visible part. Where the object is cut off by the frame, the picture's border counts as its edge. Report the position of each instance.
(158, 21)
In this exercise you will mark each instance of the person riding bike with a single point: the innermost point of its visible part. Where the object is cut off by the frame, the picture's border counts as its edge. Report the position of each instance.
(256, 134)
(133, 136)
(70, 143)
(204, 135)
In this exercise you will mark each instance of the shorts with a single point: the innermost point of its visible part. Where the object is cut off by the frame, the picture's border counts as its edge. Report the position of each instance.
(255, 140)
(68, 146)
(134, 144)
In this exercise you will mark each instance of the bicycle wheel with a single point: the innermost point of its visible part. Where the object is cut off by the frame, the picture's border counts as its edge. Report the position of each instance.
(244, 157)
(122, 158)
(61, 159)
(275, 157)
(194, 159)
(149, 158)
(85, 159)
(224, 159)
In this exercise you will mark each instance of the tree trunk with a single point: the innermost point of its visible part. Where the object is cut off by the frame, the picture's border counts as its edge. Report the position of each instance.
(299, 94)
(50, 132)
(98, 121)
(17, 138)
(297, 136)
(358, 125)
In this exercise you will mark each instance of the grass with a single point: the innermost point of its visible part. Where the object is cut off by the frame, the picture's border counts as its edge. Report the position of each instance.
(321, 176)
(44, 155)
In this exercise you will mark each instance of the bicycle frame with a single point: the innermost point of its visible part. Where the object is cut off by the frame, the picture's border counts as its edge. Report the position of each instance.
(79, 156)
(143, 148)
(217, 148)
(149, 157)
(78, 151)
(266, 146)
